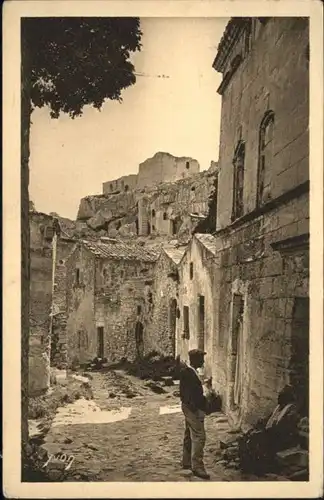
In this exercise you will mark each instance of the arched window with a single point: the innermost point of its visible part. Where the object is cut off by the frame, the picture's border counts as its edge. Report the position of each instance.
(187, 165)
(238, 181)
(153, 213)
(165, 216)
(265, 163)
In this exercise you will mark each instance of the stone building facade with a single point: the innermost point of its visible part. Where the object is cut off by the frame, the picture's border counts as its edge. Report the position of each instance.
(123, 184)
(164, 167)
(198, 309)
(62, 248)
(47, 316)
(165, 315)
(175, 208)
(41, 234)
(262, 229)
(109, 300)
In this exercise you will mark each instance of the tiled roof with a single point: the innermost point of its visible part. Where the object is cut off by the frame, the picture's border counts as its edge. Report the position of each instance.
(120, 251)
(175, 253)
(208, 241)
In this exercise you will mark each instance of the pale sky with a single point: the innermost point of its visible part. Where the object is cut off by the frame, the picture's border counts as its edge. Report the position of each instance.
(180, 115)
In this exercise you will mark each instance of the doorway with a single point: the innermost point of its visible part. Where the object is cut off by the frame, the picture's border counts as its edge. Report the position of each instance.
(237, 361)
(139, 339)
(100, 342)
(201, 323)
(172, 325)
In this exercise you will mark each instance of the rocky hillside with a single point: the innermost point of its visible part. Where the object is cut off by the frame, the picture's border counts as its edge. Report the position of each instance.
(184, 201)
(171, 210)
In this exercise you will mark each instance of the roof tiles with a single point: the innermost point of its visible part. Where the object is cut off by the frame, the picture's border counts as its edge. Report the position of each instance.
(175, 253)
(120, 251)
(208, 241)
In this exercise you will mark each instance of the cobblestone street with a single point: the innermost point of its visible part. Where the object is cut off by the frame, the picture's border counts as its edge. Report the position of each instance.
(139, 438)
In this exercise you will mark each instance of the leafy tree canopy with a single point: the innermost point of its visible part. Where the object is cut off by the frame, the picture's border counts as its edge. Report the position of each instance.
(73, 62)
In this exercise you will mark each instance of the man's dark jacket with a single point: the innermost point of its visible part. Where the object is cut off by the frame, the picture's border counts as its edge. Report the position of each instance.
(191, 390)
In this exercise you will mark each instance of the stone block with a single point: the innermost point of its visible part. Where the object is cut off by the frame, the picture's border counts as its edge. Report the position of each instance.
(281, 307)
(303, 226)
(293, 456)
(289, 231)
(303, 170)
(279, 287)
(265, 287)
(273, 265)
(168, 381)
(270, 307)
(236, 272)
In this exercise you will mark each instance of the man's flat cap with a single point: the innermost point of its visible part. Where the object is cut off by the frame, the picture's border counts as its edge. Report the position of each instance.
(196, 352)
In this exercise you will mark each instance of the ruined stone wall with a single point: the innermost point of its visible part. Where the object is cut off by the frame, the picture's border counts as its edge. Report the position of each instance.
(123, 297)
(64, 247)
(40, 303)
(159, 210)
(81, 332)
(273, 76)
(123, 184)
(161, 335)
(164, 167)
(179, 199)
(269, 284)
(201, 283)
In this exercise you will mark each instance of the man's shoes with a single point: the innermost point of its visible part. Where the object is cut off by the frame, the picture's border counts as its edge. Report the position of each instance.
(186, 467)
(201, 473)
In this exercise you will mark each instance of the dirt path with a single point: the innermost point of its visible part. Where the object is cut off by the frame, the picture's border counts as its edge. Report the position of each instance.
(133, 435)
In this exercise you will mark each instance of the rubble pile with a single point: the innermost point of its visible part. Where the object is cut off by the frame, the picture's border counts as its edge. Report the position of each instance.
(291, 463)
(228, 454)
(154, 366)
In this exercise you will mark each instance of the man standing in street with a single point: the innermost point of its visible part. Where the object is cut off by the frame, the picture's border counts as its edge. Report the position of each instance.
(194, 410)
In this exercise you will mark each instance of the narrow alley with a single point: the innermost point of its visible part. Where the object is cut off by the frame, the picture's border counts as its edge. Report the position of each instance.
(129, 433)
(187, 256)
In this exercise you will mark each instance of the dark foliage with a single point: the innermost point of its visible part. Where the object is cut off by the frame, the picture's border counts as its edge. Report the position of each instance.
(74, 62)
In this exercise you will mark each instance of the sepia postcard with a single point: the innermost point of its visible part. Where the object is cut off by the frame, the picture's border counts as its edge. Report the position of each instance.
(163, 249)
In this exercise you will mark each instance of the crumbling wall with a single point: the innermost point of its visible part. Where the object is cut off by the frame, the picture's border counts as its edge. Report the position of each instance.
(123, 297)
(123, 184)
(40, 302)
(176, 208)
(161, 336)
(164, 167)
(64, 247)
(81, 332)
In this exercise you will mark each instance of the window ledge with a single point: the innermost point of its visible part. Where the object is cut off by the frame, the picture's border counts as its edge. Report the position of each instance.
(267, 207)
